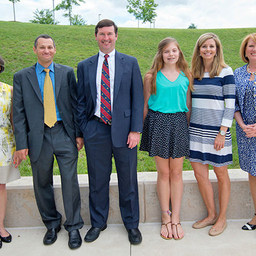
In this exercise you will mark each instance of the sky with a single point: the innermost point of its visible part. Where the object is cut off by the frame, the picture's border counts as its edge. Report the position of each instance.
(205, 14)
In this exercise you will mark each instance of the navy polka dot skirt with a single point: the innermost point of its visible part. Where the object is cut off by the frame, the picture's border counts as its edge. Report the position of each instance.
(165, 135)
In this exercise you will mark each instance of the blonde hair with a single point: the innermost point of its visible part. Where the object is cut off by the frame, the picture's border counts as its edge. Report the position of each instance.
(197, 65)
(158, 63)
(244, 45)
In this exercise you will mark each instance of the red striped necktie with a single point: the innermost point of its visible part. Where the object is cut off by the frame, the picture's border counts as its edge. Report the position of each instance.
(105, 104)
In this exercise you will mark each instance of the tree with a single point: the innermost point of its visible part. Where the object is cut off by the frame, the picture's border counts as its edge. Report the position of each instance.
(13, 6)
(77, 20)
(53, 12)
(142, 10)
(66, 5)
(192, 26)
(45, 16)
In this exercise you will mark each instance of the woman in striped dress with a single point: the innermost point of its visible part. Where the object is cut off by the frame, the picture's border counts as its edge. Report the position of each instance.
(213, 105)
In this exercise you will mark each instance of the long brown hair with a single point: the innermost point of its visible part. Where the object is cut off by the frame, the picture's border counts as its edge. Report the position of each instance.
(197, 65)
(158, 63)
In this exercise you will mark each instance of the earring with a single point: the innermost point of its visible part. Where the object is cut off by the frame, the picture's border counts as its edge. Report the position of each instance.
(216, 55)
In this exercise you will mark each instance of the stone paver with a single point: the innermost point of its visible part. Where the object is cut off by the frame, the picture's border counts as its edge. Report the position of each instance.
(114, 242)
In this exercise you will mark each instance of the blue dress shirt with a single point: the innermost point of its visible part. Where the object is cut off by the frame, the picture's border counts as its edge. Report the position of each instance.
(41, 76)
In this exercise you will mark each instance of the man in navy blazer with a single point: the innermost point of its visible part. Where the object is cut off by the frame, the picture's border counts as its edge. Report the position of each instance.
(118, 137)
(41, 142)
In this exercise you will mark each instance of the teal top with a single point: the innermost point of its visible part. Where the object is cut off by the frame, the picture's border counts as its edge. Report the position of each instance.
(170, 97)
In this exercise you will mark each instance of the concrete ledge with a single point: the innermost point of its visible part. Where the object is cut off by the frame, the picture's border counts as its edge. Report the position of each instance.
(22, 210)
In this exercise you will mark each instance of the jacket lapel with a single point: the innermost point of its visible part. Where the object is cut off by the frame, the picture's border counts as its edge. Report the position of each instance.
(58, 78)
(92, 69)
(31, 75)
(119, 69)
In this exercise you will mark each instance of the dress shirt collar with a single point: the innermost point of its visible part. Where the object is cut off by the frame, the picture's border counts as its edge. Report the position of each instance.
(40, 68)
(111, 54)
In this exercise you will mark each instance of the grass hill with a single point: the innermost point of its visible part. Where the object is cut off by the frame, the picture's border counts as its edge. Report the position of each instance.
(75, 43)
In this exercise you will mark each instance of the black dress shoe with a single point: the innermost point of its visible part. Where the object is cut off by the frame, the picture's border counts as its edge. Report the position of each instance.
(248, 226)
(0, 244)
(93, 233)
(134, 236)
(6, 239)
(75, 239)
(51, 235)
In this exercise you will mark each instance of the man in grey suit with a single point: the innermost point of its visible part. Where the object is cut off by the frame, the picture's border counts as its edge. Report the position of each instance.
(42, 141)
(110, 115)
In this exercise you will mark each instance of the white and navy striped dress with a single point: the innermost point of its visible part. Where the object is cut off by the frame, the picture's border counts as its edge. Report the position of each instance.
(213, 106)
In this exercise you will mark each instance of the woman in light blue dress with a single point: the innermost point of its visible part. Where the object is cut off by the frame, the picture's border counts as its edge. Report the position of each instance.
(245, 115)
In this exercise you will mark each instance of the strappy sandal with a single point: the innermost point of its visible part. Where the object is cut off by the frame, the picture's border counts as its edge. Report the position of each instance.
(165, 224)
(249, 226)
(176, 225)
(164, 237)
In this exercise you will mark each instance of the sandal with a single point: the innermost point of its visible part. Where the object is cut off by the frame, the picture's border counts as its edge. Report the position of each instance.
(168, 237)
(249, 226)
(165, 224)
(176, 225)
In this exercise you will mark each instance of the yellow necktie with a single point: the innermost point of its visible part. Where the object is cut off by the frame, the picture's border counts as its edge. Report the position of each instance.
(50, 117)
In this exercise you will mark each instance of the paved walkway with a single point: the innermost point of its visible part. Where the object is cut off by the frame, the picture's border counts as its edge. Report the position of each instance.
(114, 242)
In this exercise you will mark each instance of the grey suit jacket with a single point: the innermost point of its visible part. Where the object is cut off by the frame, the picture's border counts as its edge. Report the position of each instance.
(127, 114)
(28, 110)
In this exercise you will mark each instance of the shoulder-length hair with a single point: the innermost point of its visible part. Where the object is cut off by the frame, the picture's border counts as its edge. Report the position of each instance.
(158, 63)
(197, 64)
(244, 45)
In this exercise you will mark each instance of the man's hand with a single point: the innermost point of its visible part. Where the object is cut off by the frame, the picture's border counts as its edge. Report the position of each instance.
(79, 143)
(133, 139)
(19, 156)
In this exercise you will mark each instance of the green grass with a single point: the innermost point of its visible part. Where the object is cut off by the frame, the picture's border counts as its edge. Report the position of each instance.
(75, 43)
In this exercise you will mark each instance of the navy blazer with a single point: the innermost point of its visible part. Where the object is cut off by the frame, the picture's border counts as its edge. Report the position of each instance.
(127, 112)
(28, 109)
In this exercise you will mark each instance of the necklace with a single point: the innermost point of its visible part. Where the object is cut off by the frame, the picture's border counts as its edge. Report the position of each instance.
(249, 71)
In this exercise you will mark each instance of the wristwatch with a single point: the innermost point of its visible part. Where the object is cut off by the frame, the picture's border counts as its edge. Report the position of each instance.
(222, 133)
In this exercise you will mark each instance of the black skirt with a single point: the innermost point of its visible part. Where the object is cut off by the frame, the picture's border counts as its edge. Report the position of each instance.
(165, 135)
